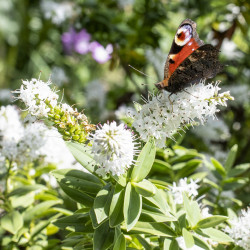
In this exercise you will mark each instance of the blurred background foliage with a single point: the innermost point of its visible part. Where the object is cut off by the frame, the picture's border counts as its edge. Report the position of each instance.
(141, 33)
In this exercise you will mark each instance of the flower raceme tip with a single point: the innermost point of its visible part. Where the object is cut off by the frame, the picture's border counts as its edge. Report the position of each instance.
(41, 101)
(162, 118)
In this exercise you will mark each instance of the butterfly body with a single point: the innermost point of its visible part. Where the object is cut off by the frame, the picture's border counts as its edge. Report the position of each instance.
(189, 60)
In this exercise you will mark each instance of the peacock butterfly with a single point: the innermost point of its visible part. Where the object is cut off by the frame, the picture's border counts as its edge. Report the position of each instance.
(189, 60)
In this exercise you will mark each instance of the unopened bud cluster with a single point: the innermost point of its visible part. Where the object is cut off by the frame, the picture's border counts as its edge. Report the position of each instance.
(41, 101)
(71, 124)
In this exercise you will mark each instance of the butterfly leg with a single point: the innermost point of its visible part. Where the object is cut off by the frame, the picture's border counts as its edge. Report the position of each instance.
(190, 93)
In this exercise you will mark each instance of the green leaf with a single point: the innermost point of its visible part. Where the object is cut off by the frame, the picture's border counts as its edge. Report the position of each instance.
(238, 170)
(159, 200)
(102, 203)
(188, 238)
(116, 208)
(145, 188)
(74, 223)
(145, 161)
(155, 216)
(12, 222)
(170, 244)
(41, 225)
(211, 183)
(143, 241)
(23, 201)
(120, 243)
(82, 154)
(39, 209)
(26, 189)
(216, 235)
(121, 179)
(77, 195)
(231, 157)
(153, 228)
(201, 243)
(234, 183)
(188, 168)
(132, 206)
(211, 221)
(219, 168)
(161, 167)
(192, 210)
(78, 180)
(103, 236)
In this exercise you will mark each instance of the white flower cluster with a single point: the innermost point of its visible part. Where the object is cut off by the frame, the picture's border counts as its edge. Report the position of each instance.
(37, 96)
(57, 12)
(183, 186)
(19, 143)
(162, 118)
(23, 144)
(240, 229)
(113, 148)
(123, 112)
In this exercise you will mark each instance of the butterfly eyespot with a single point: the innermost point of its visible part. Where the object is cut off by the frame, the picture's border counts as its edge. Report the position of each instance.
(171, 60)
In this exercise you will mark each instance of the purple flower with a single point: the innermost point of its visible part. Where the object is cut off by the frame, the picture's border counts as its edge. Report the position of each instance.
(68, 40)
(99, 53)
(80, 43)
(82, 39)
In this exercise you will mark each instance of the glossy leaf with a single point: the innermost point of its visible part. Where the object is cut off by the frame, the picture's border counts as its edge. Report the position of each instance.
(170, 244)
(153, 228)
(103, 236)
(219, 168)
(26, 189)
(211, 221)
(102, 203)
(238, 170)
(75, 222)
(188, 168)
(12, 222)
(39, 209)
(132, 206)
(192, 210)
(188, 238)
(231, 157)
(145, 188)
(77, 195)
(120, 243)
(201, 243)
(82, 154)
(159, 200)
(150, 214)
(78, 180)
(144, 162)
(116, 207)
(163, 167)
(216, 235)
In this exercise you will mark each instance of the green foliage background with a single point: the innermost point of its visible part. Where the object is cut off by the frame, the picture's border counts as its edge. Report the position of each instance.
(141, 32)
(31, 44)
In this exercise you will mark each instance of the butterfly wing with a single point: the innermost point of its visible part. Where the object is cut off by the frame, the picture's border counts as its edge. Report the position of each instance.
(203, 63)
(186, 40)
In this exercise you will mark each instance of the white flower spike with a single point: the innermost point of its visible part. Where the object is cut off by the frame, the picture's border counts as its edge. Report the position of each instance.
(240, 229)
(114, 148)
(37, 96)
(161, 118)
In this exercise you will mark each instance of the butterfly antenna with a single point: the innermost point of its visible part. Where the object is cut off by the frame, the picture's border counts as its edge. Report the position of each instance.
(140, 72)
